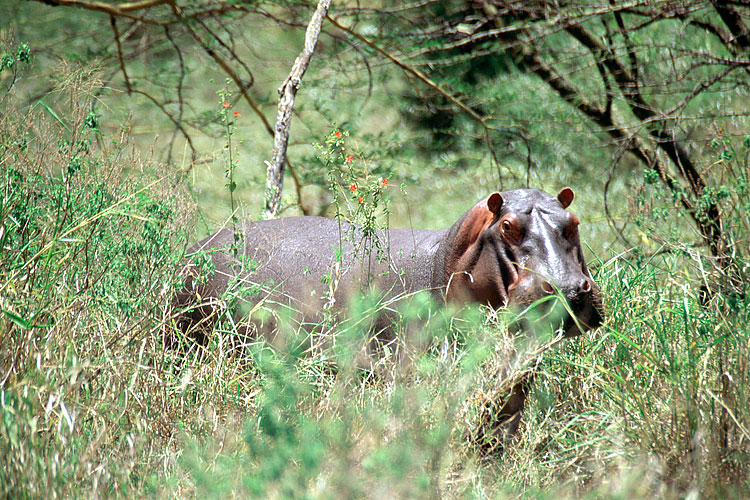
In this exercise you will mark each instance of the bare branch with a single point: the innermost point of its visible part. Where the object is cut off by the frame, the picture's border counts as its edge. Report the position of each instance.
(117, 10)
(174, 120)
(113, 22)
(180, 100)
(122, 10)
(421, 76)
(288, 90)
(482, 120)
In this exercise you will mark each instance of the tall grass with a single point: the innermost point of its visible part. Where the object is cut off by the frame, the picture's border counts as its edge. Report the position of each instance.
(652, 405)
(89, 239)
(639, 409)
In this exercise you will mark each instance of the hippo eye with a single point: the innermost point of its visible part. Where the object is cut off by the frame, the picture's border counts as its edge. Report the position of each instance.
(510, 230)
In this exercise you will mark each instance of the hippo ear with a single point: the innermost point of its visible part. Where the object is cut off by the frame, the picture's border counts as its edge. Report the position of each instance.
(471, 225)
(494, 202)
(565, 197)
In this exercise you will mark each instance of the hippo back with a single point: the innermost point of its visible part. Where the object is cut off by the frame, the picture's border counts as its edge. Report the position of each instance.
(311, 263)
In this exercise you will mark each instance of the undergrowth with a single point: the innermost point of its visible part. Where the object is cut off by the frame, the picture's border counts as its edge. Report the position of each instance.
(654, 404)
(90, 241)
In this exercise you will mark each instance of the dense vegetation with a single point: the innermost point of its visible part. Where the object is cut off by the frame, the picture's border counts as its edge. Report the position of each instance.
(113, 128)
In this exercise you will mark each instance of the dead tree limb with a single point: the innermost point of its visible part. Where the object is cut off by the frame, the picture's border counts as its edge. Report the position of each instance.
(122, 10)
(287, 91)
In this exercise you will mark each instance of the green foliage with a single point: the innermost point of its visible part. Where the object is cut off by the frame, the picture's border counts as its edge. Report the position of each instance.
(9, 59)
(652, 405)
(286, 447)
(661, 212)
(87, 233)
(115, 237)
(319, 433)
(230, 160)
(359, 195)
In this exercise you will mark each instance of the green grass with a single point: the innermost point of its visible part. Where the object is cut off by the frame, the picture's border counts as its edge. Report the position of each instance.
(654, 404)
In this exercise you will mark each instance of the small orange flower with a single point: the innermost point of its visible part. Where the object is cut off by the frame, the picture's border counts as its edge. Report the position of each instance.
(337, 134)
(385, 182)
(349, 158)
(225, 104)
(361, 200)
(353, 187)
(237, 114)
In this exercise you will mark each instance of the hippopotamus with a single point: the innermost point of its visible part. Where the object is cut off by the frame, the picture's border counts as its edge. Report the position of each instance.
(510, 248)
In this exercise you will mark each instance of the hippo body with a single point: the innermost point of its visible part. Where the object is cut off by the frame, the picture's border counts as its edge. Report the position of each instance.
(301, 260)
(511, 248)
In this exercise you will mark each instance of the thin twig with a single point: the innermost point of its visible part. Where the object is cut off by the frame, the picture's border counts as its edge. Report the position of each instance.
(177, 123)
(113, 22)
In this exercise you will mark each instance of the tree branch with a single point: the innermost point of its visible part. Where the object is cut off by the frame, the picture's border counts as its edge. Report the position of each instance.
(122, 10)
(482, 120)
(177, 123)
(708, 219)
(421, 76)
(733, 21)
(287, 91)
(113, 22)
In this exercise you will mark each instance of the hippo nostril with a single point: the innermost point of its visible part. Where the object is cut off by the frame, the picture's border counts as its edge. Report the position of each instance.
(548, 288)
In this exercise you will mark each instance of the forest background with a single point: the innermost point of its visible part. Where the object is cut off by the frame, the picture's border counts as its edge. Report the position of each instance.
(130, 130)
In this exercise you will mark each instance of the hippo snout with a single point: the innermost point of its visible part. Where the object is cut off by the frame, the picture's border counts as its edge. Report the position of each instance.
(578, 291)
(585, 301)
(573, 293)
(581, 293)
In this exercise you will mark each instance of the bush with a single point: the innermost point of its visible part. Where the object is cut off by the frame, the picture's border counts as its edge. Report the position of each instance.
(90, 243)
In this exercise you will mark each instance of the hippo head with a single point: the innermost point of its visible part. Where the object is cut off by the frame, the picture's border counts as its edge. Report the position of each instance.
(516, 247)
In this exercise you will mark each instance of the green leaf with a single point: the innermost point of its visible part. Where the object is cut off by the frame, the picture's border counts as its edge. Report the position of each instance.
(54, 115)
(7, 61)
(15, 318)
(24, 52)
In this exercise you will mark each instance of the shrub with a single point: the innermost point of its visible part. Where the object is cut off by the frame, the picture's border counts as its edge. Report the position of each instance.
(90, 242)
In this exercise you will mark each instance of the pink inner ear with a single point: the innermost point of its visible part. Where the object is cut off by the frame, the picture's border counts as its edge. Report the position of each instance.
(565, 197)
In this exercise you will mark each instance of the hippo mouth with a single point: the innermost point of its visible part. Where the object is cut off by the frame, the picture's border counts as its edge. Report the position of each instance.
(573, 318)
(587, 319)
(588, 316)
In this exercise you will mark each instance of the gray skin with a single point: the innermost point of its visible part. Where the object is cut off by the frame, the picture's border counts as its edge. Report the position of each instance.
(297, 266)
(511, 248)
